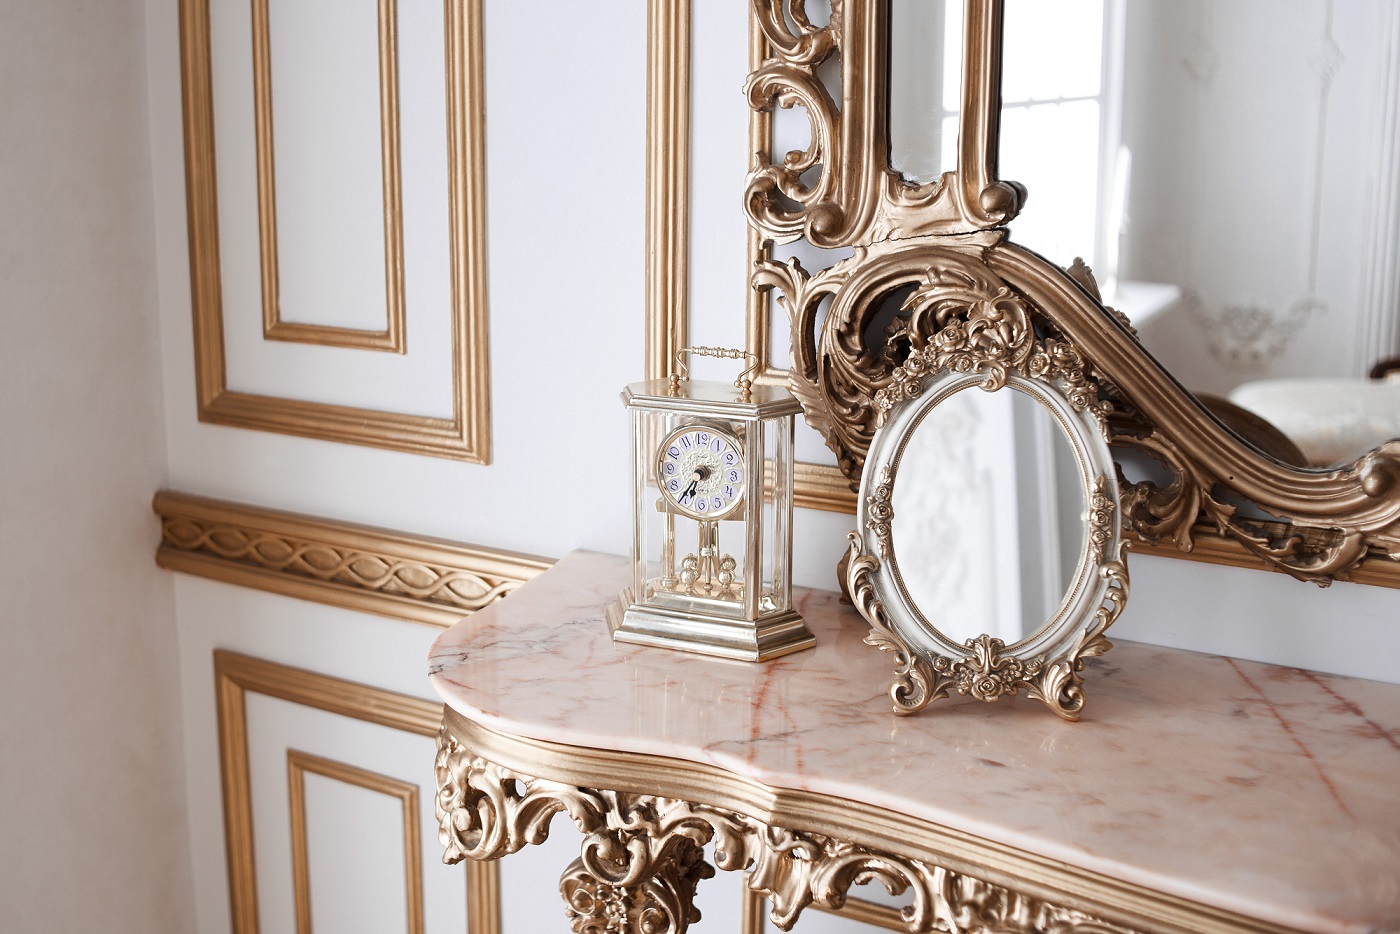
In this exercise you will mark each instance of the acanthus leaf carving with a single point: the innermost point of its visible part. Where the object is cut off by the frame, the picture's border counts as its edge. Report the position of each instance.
(486, 812)
(642, 858)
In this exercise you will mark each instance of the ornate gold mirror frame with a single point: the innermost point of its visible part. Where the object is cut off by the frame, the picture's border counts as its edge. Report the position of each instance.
(1225, 500)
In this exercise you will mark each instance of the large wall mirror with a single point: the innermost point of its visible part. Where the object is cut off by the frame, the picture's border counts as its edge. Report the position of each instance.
(1229, 169)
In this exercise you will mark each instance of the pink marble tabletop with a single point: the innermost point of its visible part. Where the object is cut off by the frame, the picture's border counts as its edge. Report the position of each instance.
(1271, 792)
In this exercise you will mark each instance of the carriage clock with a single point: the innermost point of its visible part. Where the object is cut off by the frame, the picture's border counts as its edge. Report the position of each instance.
(712, 471)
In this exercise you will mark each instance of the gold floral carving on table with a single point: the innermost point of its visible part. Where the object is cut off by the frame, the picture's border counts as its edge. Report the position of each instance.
(985, 673)
(642, 858)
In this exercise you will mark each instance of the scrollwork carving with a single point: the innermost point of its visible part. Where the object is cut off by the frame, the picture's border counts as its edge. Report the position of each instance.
(1318, 525)
(642, 858)
(486, 812)
(979, 302)
(987, 672)
(977, 906)
(857, 197)
(960, 316)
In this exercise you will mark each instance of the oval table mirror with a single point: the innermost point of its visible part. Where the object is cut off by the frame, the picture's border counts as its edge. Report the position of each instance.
(988, 556)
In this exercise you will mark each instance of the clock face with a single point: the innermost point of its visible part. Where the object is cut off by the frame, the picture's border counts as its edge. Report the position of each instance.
(700, 470)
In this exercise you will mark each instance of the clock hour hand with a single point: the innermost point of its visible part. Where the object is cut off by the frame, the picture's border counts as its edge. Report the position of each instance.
(690, 490)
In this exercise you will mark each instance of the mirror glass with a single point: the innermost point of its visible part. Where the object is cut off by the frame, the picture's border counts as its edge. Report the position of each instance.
(1231, 171)
(926, 39)
(989, 527)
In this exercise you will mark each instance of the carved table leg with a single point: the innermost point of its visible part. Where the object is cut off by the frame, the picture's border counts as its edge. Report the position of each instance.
(662, 903)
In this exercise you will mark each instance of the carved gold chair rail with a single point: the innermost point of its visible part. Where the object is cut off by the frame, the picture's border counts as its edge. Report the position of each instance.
(645, 820)
(358, 567)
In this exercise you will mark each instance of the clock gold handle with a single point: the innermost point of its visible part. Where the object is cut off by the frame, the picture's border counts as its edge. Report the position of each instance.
(744, 382)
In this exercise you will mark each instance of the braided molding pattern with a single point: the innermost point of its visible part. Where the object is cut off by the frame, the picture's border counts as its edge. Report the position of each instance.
(359, 567)
(642, 858)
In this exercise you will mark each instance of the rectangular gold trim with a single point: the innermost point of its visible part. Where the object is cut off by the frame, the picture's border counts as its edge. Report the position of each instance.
(464, 436)
(298, 764)
(392, 337)
(483, 897)
(235, 676)
(358, 567)
(668, 183)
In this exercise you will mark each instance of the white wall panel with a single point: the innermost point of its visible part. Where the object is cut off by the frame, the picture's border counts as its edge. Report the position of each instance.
(326, 120)
(354, 836)
(331, 252)
(356, 863)
(351, 646)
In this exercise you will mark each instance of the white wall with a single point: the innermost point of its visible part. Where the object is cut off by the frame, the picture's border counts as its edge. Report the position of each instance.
(93, 808)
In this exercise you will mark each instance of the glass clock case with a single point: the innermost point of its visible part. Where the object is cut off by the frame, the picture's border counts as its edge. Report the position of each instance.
(712, 471)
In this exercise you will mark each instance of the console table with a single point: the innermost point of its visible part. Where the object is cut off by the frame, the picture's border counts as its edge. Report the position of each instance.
(1197, 794)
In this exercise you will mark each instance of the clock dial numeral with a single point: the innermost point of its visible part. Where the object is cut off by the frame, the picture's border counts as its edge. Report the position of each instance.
(732, 476)
(702, 438)
(729, 491)
(673, 485)
(670, 467)
(716, 502)
(673, 452)
(686, 443)
(700, 505)
(717, 446)
(729, 459)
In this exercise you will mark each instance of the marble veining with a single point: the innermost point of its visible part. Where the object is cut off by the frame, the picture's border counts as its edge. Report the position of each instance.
(1268, 791)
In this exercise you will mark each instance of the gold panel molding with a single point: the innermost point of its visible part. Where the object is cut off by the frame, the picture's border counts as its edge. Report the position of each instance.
(641, 856)
(393, 337)
(358, 567)
(466, 434)
(298, 764)
(237, 675)
(668, 182)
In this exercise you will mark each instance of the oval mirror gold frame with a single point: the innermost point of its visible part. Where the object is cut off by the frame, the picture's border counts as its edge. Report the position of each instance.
(989, 343)
(1339, 523)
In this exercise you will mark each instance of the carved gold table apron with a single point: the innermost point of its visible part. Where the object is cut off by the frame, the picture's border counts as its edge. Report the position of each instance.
(1197, 794)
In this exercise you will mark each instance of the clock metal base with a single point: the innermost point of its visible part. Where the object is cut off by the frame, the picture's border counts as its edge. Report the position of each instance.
(772, 636)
